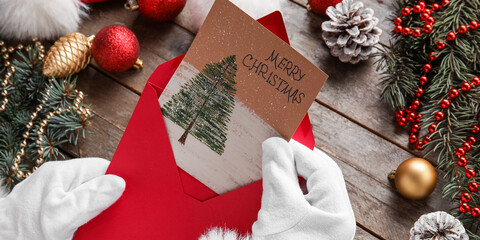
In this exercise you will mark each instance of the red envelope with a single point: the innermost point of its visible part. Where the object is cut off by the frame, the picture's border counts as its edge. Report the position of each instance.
(161, 201)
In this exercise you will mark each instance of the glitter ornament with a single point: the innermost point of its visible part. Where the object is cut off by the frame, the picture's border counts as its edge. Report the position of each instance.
(157, 10)
(116, 49)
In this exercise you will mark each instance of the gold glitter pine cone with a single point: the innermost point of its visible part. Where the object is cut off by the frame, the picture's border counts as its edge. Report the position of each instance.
(69, 55)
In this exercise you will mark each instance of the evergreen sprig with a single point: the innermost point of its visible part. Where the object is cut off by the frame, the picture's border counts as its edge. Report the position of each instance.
(26, 90)
(401, 62)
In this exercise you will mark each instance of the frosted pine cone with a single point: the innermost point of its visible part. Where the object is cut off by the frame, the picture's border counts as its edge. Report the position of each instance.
(438, 225)
(351, 33)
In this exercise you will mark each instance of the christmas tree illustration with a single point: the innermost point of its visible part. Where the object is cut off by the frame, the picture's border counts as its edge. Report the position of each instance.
(204, 104)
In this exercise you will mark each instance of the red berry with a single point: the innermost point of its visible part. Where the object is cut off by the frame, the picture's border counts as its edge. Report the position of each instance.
(423, 80)
(426, 139)
(411, 117)
(453, 93)
(439, 115)
(432, 56)
(435, 6)
(419, 92)
(430, 21)
(416, 32)
(427, 67)
(464, 207)
(419, 145)
(476, 81)
(397, 21)
(415, 128)
(462, 161)
(466, 86)
(413, 139)
(445, 103)
(416, 104)
(432, 128)
(475, 212)
(406, 11)
(466, 197)
(402, 122)
(460, 151)
(440, 45)
(473, 25)
(471, 140)
(427, 28)
(399, 114)
(475, 129)
(409, 109)
(427, 11)
(470, 173)
(424, 16)
(422, 4)
(445, 2)
(462, 29)
(451, 36)
(419, 117)
(417, 9)
(466, 146)
(398, 29)
(406, 31)
(473, 187)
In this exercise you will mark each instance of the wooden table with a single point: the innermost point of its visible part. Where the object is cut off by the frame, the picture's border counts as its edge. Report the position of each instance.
(350, 122)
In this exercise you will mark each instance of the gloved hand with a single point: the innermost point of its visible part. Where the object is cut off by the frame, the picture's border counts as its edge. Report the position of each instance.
(323, 213)
(57, 199)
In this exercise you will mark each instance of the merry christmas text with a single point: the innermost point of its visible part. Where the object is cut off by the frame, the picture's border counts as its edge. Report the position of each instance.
(269, 74)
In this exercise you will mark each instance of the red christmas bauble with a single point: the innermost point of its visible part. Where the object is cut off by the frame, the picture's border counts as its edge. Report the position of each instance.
(476, 81)
(115, 48)
(320, 6)
(462, 161)
(473, 186)
(475, 212)
(160, 10)
(451, 36)
(445, 103)
(470, 173)
(464, 207)
(466, 197)
(453, 93)
(466, 86)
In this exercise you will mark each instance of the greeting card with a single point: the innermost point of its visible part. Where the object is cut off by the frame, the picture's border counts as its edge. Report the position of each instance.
(238, 85)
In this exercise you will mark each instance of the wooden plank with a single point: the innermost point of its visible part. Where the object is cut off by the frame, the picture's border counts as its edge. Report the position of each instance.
(361, 234)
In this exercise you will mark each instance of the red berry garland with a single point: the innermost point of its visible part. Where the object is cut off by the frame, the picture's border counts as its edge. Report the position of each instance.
(409, 115)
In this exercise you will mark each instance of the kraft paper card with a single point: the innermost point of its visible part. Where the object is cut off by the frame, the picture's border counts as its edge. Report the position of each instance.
(238, 85)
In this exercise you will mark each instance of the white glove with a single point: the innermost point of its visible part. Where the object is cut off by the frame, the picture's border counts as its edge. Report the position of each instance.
(57, 199)
(323, 213)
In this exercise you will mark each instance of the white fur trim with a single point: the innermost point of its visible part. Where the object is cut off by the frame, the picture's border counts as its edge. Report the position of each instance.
(45, 19)
(223, 234)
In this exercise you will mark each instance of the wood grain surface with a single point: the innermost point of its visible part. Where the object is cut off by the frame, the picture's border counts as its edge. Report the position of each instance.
(350, 122)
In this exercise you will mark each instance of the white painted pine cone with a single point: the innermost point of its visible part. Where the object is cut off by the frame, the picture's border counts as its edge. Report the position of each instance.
(351, 33)
(438, 226)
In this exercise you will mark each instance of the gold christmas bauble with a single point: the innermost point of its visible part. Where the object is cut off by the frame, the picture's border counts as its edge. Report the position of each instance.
(415, 178)
(69, 55)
